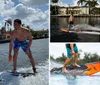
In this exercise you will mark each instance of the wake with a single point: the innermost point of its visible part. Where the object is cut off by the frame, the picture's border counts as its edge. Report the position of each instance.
(39, 79)
(85, 27)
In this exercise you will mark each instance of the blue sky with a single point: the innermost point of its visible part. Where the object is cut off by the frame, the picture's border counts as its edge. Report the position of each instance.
(67, 1)
(56, 49)
(32, 12)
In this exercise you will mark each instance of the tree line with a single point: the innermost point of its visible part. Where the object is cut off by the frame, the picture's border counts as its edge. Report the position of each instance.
(87, 58)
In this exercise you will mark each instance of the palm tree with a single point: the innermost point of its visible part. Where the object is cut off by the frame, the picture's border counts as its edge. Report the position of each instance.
(92, 3)
(28, 27)
(7, 24)
(55, 1)
(9, 21)
(3, 30)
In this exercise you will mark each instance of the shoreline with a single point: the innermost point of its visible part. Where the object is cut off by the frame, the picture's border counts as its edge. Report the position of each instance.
(75, 15)
(8, 40)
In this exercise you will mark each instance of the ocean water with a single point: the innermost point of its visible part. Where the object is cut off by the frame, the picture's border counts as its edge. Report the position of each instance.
(39, 50)
(56, 79)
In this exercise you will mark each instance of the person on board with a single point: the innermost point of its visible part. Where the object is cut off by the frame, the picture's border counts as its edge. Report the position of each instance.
(72, 52)
(20, 37)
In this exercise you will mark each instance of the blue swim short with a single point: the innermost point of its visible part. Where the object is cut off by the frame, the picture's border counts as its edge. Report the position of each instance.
(69, 51)
(23, 45)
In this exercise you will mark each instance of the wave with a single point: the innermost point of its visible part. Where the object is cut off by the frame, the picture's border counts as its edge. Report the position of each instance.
(86, 27)
(42, 78)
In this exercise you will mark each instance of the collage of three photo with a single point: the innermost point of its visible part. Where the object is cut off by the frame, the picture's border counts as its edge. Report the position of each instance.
(49, 42)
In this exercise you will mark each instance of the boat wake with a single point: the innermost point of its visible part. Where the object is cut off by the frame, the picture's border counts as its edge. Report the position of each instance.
(39, 79)
(85, 27)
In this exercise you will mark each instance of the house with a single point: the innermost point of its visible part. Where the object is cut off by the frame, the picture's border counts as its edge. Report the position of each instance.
(5, 36)
(76, 10)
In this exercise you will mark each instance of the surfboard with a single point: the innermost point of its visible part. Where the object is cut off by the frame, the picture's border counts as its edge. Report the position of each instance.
(23, 74)
(84, 69)
(71, 69)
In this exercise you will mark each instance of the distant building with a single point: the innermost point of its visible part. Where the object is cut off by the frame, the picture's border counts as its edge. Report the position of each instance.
(5, 36)
(73, 10)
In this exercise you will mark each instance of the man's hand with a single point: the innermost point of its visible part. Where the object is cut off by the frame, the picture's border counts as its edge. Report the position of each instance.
(30, 42)
(73, 52)
(27, 50)
(11, 46)
(10, 58)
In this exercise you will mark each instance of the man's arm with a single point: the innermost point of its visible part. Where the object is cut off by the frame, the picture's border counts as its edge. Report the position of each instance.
(72, 48)
(11, 43)
(30, 40)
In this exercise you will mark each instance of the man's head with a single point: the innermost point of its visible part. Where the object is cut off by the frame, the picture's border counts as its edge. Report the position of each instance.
(17, 23)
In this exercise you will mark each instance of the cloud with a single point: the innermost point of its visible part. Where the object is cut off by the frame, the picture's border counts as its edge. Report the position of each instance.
(5, 5)
(37, 20)
(9, 4)
(8, 13)
(60, 3)
(98, 6)
(75, 2)
(34, 2)
(32, 16)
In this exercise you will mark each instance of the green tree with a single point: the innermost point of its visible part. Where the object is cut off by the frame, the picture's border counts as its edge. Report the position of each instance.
(52, 58)
(61, 58)
(10, 30)
(92, 3)
(88, 58)
(55, 7)
(54, 1)
(3, 30)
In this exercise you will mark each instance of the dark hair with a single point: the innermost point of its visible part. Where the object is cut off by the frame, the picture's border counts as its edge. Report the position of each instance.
(18, 21)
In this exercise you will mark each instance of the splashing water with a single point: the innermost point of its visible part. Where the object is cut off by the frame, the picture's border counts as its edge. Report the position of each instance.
(72, 80)
(42, 78)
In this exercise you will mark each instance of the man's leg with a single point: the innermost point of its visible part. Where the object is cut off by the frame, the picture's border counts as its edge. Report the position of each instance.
(75, 60)
(67, 61)
(15, 59)
(29, 54)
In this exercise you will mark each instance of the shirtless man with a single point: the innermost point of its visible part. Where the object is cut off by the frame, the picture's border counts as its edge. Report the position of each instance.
(71, 20)
(71, 23)
(72, 52)
(19, 38)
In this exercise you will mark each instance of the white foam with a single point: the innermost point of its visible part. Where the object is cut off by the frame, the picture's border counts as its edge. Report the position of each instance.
(97, 74)
(55, 64)
(40, 79)
(86, 27)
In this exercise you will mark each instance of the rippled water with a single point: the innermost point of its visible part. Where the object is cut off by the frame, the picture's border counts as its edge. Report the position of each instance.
(39, 50)
(56, 79)
(62, 22)
(59, 22)
(39, 79)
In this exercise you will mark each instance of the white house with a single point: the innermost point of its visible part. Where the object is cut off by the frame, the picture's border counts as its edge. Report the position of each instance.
(74, 10)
